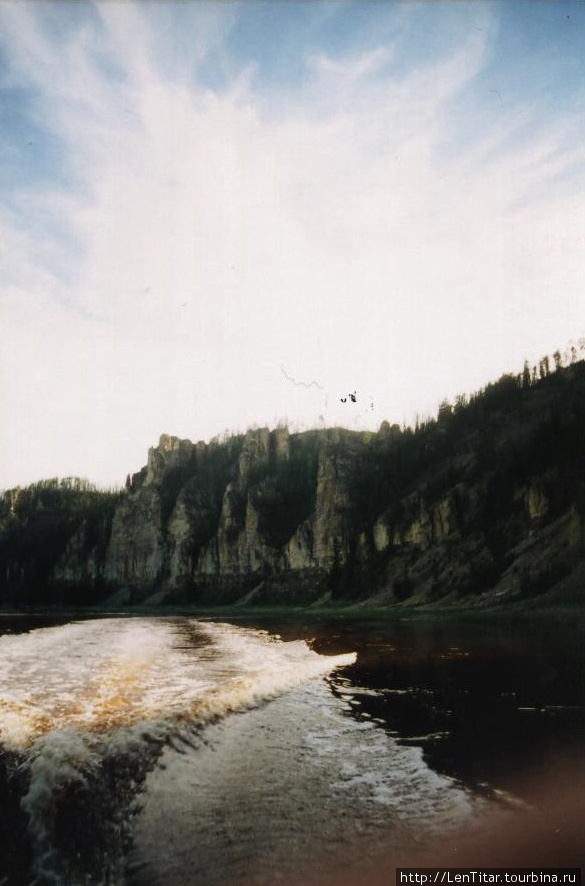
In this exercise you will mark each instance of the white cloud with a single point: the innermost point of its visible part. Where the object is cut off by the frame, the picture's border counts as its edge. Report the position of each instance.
(220, 243)
(358, 66)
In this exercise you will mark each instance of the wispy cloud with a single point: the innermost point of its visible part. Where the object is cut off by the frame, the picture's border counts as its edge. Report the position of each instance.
(355, 233)
(358, 66)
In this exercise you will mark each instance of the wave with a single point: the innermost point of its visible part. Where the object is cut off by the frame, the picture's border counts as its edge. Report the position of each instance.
(86, 708)
(102, 675)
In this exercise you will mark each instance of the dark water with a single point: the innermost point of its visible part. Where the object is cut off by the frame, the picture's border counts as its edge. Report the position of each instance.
(437, 728)
(489, 704)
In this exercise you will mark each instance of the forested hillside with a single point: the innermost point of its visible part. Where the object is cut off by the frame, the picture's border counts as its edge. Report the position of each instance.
(482, 504)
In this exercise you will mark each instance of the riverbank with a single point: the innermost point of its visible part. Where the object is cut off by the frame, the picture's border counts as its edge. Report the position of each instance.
(521, 611)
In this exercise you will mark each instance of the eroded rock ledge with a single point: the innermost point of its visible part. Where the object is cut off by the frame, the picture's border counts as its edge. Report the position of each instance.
(485, 503)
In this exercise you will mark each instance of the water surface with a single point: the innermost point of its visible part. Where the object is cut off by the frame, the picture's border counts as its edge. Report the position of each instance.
(295, 750)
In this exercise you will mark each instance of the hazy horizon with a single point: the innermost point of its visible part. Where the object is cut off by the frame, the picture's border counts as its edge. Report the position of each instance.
(215, 215)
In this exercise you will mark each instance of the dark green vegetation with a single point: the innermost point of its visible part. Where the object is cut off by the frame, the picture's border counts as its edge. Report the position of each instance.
(482, 505)
(480, 482)
(283, 490)
(36, 524)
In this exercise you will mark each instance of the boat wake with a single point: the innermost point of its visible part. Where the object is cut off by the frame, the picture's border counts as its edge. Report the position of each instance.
(86, 710)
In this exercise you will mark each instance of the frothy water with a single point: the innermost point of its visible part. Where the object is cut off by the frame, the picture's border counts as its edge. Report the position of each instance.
(100, 676)
(87, 709)
(298, 793)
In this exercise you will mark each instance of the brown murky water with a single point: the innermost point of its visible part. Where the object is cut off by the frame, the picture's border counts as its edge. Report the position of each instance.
(148, 751)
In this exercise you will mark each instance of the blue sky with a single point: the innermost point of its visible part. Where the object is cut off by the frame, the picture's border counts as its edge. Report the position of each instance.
(200, 201)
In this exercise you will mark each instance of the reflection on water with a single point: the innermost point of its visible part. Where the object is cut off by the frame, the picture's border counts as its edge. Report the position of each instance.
(288, 795)
(489, 703)
(356, 765)
(490, 710)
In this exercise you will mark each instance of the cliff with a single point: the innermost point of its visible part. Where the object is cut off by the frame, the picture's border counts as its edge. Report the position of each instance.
(484, 504)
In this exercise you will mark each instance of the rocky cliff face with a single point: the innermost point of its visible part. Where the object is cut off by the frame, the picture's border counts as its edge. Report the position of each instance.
(485, 503)
(203, 521)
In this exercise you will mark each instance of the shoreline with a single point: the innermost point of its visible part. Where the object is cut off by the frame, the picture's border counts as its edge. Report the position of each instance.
(518, 612)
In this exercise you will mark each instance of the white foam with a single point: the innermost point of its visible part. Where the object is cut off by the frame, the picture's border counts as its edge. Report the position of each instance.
(103, 675)
(387, 774)
(74, 696)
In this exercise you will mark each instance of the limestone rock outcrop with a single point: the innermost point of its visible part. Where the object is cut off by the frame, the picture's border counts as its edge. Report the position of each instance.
(489, 498)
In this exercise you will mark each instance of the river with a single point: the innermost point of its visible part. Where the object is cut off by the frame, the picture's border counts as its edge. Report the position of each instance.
(295, 750)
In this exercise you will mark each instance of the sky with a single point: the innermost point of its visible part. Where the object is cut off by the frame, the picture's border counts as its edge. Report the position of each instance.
(218, 215)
